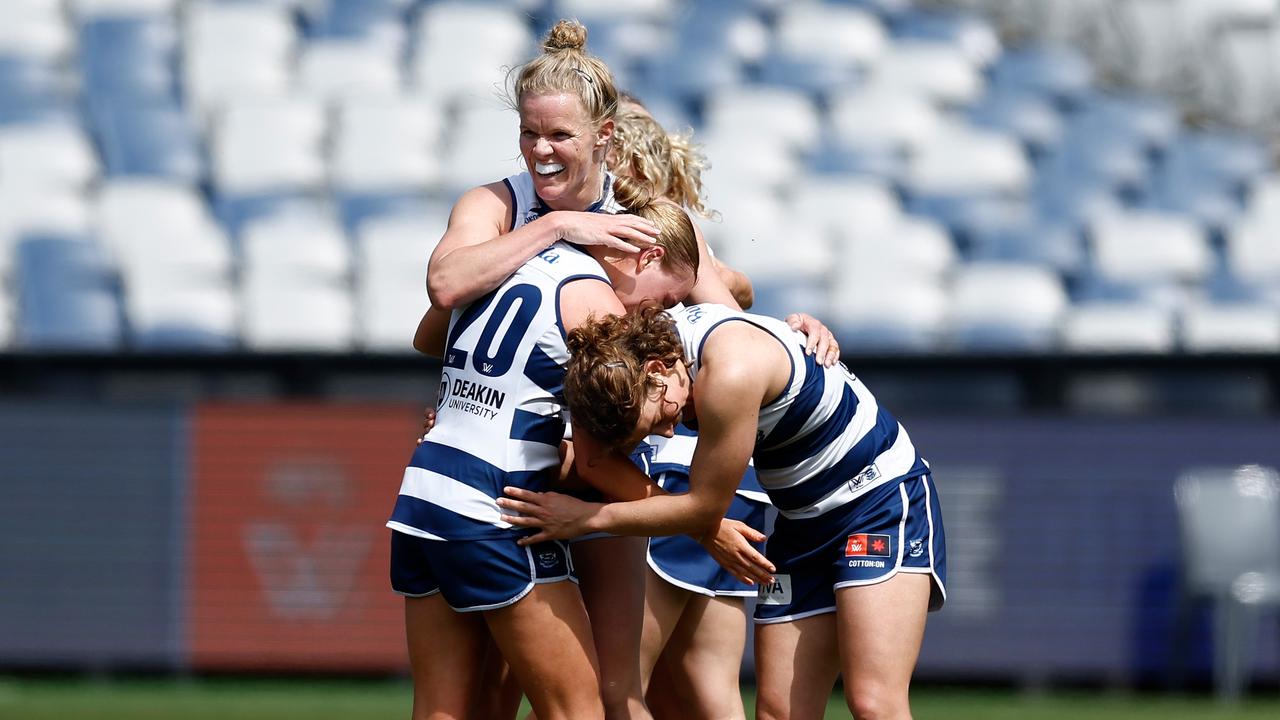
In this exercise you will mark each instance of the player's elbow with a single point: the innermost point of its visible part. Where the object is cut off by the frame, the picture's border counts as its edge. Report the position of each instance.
(443, 294)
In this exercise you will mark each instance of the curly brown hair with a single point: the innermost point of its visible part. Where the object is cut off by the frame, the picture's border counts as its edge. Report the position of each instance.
(606, 383)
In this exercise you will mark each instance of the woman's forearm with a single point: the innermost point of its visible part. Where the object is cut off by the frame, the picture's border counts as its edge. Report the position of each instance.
(469, 271)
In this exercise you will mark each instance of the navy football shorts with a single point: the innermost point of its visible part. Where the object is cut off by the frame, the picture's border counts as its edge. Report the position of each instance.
(683, 562)
(894, 528)
(475, 574)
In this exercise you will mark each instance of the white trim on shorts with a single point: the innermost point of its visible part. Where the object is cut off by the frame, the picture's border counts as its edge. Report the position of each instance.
(793, 618)
(695, 588)
(528, 553)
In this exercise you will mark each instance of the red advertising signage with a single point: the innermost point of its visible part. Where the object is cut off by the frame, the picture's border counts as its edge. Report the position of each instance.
(287, 551)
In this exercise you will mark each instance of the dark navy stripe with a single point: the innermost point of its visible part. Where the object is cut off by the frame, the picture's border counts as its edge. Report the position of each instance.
(545, 372)
(863, 453)
(816, 439)
(802, 407)
(474, 472)
(682, 429)
(707, 334)
(418, 513)
(566, 281)
(469, 315)
(533, 427)
(514, 204)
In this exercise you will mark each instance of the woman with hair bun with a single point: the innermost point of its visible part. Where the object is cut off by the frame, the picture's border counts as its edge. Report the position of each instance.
(552, 252)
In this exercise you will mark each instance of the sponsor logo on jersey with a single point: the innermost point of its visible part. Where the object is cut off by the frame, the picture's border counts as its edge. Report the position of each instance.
(916, 548)
(864, 544)
(693, 314)
(443, 394)
(549, 256)
(777, 592)
(869, 474)
(473, 397)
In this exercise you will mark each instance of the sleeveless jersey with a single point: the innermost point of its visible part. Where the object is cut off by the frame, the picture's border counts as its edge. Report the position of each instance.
(675, 454)
(526, 206)
(500, 414)
(824, 441)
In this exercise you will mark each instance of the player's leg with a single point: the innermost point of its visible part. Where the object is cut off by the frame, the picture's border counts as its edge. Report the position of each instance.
(546, 639)
(706, 647)
(881, 628)
(797, 663)
(663, 605)
(446, 649)
(500, 694)
(612, 572)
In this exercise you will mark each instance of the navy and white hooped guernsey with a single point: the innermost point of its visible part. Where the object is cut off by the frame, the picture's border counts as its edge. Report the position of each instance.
(824, 441)
(500, 413)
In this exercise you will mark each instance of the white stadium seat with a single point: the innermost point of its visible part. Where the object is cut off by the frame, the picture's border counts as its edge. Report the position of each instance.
(464, 50)
(391, 293)
(1231, 328)
(884, 118)
(388, 143)
(938, 71)
(1118, 328)
(962, 160)
(1005, 305)
(482, 145)
(332, 70)
(774, 112)
(236, 50)
(48, 154)
(35, 28)
(829, 32)
(1149, 246)
(264, 145)
(26, 209)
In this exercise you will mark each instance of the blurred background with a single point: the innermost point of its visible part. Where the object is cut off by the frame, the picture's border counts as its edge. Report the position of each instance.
(1046, 232)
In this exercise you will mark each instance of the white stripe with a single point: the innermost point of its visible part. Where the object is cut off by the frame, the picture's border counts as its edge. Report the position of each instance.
(677, 450)
(797, 616)
(754, 496)
(407, 530)
(451, 495)
(928, 511)
(892, 464)
(862, 422)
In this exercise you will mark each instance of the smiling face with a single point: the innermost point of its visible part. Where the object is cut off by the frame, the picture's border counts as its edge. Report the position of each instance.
(563, 150)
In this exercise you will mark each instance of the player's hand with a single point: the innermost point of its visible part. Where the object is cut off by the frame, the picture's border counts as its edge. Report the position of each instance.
(730, 545)
(556, 516)
(821, 342)
(626, 232)
(428, 422)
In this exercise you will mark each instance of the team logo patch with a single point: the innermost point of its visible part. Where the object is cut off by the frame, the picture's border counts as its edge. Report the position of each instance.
(778, 592)
(864, 544)
(917, 548)
(547, 559)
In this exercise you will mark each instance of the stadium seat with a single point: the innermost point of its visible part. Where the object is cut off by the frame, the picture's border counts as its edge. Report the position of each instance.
(182, 316)
(34, 28)
(972, 35)
(66, 295)
(130, 56)
(137, 138)
(966, 161)
(296, 283)
(1058, 73)
(1147, 246)
(48, 155)
(1252, 252)
(829, 33)
(235, 51)
(940, 72)
(269, 145)
(379, 21)
(333, 70)
(845, 206)
(33, 90)
(391, 293)
(464, 50)
(481, 145)
(29, 209)
(909, 246)
(1229, 528)
(878, 311)
(882, 118)
(1030, 117)
(981, 315)
(1231, 328)
(390, 143)
(757, 238)
(1118, 328)
(589, 11)
(775, 113)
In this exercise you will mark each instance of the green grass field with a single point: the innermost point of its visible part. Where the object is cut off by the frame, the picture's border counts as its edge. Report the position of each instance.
(44, 699)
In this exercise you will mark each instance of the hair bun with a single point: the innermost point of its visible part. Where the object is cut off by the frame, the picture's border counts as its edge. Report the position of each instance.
(566, 35)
